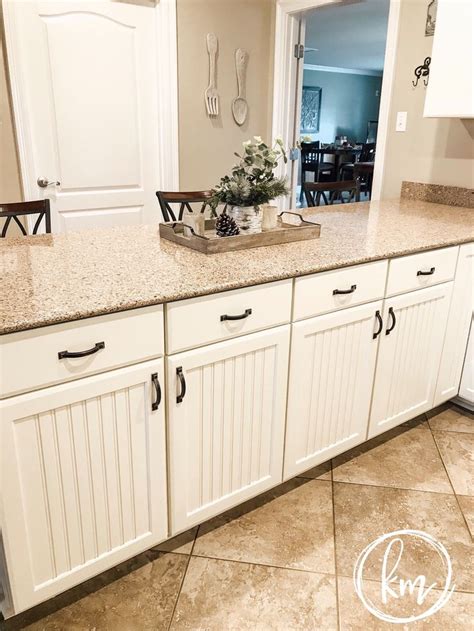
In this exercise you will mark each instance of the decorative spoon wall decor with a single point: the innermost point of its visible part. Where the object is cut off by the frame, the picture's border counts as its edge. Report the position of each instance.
(240, 106)
(211, 95)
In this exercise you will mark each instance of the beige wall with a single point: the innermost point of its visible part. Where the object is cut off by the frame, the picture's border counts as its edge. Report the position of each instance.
(206, 146)
(438, 151)
(10, 187)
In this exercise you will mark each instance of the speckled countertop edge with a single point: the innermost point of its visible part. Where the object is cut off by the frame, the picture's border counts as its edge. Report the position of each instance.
(205, 278)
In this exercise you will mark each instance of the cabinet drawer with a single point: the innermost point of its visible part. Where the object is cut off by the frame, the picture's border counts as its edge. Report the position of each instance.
(337, 289)
(198, 321)
(30, 358)
(421, 270)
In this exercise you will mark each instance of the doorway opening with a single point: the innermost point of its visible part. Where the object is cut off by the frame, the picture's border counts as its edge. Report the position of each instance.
(344, 51)
(289, 62)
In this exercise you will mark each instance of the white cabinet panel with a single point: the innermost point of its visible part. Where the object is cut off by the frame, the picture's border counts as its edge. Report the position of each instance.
(331, 377)
(226, 435)
(450, 91)
(83, 479)
(457, 330)
(466, 390)
(409, 356)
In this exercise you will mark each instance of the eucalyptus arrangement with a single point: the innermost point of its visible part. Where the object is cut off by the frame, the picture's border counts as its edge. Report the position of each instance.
(252, 182)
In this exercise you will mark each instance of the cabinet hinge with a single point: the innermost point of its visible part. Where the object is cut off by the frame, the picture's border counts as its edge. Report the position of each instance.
(299, 51)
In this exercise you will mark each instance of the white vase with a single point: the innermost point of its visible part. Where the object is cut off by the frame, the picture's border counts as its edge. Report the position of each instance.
(247, 218)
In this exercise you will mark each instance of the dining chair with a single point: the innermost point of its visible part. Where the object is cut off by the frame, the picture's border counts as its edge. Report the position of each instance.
(364, 174)
(12, 211)
(311, 162)
(367, 154)
(331, 192)
(184, 199)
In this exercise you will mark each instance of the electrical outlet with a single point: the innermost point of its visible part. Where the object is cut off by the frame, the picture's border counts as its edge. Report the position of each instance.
(401, 124)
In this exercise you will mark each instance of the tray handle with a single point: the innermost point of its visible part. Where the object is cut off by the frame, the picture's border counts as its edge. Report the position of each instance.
(301, 218)
(185, 225)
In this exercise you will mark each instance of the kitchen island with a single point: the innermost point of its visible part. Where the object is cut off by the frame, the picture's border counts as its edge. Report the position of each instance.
(147, 388)
(64, 277)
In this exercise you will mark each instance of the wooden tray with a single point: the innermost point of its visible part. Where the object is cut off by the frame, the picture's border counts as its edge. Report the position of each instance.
(212, 244)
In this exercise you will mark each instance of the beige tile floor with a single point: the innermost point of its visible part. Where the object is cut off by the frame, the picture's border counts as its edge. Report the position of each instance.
(284, 561)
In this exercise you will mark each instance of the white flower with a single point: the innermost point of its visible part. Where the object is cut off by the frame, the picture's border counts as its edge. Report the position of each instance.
(246, 143)
(258, 138)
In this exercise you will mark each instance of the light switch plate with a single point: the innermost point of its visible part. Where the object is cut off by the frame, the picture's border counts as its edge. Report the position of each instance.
(401, 124)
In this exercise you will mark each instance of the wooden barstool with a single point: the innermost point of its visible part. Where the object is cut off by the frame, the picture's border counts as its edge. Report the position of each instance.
(12, 211)
(184, 199)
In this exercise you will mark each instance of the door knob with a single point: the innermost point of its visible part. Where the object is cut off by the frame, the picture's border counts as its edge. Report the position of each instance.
(43, 182)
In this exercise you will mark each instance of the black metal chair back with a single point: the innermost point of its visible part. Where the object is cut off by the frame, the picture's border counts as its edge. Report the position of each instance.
(184, 200)
(12, 211)
(329, 192)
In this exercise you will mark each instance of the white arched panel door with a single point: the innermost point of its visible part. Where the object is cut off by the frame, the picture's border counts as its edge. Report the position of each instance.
(85, 86)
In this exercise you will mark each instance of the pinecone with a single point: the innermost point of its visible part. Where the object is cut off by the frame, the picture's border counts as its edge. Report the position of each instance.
(226, 226)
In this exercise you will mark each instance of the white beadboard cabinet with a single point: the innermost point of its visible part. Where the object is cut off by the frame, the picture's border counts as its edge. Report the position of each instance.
(226, 434)
(409, 356)
(450, 91)
(457, 330)
(331, 376)
(83, 479)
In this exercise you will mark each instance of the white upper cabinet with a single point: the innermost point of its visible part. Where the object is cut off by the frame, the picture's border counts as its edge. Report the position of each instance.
(450, 92)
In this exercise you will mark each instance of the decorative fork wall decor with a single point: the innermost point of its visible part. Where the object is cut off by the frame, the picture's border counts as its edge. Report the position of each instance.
(211, 95)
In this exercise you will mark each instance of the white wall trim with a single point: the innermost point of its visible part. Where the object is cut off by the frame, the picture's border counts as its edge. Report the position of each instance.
(18, 87)
(167, 86)
(367, 73)
(386, 96)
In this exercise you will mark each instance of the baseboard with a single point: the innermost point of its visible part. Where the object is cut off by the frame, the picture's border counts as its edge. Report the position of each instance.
(463, 403)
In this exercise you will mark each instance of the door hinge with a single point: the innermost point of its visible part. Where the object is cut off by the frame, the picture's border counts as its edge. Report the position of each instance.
(294, 154)
(299, 51)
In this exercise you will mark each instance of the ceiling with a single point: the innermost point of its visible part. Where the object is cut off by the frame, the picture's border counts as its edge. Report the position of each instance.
(350, 36)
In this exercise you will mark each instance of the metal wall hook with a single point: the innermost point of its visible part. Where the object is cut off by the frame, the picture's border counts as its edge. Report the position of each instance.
(422, 71)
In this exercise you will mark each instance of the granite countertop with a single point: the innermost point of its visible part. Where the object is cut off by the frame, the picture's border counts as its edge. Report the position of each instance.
(58, 278)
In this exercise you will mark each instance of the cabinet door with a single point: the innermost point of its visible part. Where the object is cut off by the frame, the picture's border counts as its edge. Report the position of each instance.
(466, 390)
(457, 330)
(226, 432)
(331, 377)
(83, 479)
(409, 356)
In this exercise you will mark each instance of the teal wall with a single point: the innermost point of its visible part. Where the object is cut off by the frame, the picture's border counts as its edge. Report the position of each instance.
(348, 102)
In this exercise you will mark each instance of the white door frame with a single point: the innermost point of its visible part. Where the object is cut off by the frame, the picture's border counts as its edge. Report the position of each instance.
(167, 92)
(285, 77)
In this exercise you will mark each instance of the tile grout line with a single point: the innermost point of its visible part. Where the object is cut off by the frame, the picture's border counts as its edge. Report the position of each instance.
(182, 580)
(338, 613)
(452, 485)
(266, 565)
(394, 488)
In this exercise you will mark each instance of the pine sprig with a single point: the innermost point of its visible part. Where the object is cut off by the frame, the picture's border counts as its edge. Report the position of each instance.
(252, 181)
